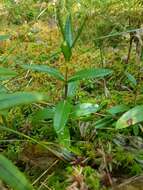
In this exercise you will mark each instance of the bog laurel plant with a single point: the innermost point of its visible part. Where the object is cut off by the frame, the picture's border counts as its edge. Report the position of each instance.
(64, 108)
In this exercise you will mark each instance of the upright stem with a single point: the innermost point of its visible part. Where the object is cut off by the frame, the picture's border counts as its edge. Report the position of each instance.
(102, 65)
(66, 81)
(130, 48)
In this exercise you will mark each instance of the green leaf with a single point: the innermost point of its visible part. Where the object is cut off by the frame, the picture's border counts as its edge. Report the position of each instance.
(64, 137)
(132, 117)
(45, 69)
(131, 79)
(12, 176)
(72, 87)
(6, 73)
(46, 113)
(117, 109)
(4, 37)
(19, 98)
(90, 73)
(84, 109)
(61, 116)
(68, 31)
(66, 50)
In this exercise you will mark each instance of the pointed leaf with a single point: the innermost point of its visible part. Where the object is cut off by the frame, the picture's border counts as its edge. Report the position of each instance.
(45, 69)
(12, 176)
(61, 116)
(62, 112)
(20, 98)
(132, 117)
(90, 73)
(68, 31)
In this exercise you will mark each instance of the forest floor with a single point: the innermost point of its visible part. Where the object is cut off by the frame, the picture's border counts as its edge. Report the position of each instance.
(99, 158)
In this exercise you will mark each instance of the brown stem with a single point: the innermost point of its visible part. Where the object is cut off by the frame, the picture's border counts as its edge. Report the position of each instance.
(130, 48)
(66, 83)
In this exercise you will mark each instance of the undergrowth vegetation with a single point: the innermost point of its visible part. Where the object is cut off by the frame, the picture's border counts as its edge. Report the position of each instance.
(71, 101)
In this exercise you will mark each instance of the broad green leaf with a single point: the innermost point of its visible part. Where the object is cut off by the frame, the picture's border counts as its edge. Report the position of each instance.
(45, 69)
(72, 87)
(61, 116)
(46, 113)
(20, 98)
(84, 109)
(132, 117)
(68, 31)
(131, 78)
(4, 37)
(117, 109)
(10, 174)
(66, 50)
(6, 73)
(90, 73)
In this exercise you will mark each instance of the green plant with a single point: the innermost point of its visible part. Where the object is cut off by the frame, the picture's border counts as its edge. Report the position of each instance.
(9, 100)
(130, 118)
(64, 109)
(12, 176)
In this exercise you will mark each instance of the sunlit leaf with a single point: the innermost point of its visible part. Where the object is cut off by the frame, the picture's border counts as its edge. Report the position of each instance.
(45, 69)
(132, 117)
(84, 109)
(12, 176)
(90, 73)
(20, 98)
